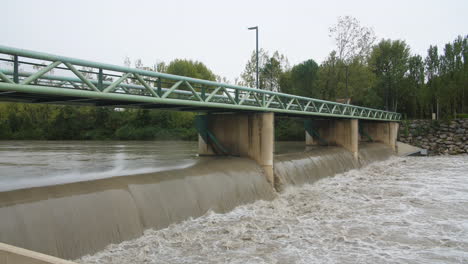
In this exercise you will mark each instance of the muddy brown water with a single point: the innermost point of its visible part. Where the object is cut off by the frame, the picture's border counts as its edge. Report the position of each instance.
(69, 199)
(402, 210)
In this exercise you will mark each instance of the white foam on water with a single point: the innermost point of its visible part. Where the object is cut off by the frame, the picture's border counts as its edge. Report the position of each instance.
(404, 210)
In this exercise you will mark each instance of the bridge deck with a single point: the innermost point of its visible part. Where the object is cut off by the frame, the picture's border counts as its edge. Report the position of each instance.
(57, 80)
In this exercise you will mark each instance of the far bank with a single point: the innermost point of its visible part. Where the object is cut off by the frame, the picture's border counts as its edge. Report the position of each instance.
(437, 136)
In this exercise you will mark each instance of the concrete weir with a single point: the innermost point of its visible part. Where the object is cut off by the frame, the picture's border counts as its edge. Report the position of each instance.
(74, 219)
(319, 162)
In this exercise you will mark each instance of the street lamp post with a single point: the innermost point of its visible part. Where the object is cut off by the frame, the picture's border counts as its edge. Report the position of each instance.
(256, 32)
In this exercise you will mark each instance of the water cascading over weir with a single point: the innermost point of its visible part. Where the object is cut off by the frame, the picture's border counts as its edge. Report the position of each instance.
(237, 164)
(75, 219)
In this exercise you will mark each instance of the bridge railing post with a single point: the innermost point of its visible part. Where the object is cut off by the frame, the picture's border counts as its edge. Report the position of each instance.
(100, 80)
(15, 69)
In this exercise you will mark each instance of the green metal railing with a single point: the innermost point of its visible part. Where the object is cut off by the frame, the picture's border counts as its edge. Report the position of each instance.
(99, 82)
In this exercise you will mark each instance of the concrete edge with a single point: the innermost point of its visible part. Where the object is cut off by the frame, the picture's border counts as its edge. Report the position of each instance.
(12, 255)
(404, 150)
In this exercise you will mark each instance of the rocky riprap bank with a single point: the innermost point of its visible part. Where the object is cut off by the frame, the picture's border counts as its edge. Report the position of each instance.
(438, 137)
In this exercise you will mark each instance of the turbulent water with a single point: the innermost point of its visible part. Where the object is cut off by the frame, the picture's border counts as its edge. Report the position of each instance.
(403, 210)
(82, 196)
(74, 198)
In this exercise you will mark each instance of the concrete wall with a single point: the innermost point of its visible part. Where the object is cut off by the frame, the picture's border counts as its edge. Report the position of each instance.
(243, 134)
(15, 255)
(384, 132)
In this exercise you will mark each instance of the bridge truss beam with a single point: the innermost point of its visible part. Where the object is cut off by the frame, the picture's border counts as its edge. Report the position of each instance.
(103, 84)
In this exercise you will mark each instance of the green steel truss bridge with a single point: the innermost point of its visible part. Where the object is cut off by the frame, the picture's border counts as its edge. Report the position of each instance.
(35, 77)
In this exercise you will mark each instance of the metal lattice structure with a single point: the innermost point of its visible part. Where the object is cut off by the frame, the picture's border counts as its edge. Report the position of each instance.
(58, 80)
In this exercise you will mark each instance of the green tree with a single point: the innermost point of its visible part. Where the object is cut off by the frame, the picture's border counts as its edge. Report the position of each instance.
(417, 98)
(358, 85)
(389, 61)
(328, 77)
(464, 78)
(248, 76)
(301, 79)
(452, 71)
(353, 45)
(432, 72)
(270, 70)
(190, 68)
(447, 77)
(361, 82)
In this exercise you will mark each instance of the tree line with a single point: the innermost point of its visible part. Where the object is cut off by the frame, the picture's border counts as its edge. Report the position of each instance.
(384, 75)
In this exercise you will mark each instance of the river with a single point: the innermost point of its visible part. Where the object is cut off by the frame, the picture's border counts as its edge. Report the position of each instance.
(26, 163)
(40, 163)
(403, 210)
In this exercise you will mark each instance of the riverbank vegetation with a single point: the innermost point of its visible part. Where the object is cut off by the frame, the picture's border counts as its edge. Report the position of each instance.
(383, 74)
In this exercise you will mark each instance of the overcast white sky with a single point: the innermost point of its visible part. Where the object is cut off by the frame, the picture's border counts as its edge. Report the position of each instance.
(215, 31)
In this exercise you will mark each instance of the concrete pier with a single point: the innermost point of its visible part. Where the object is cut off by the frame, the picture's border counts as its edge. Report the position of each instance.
(384, 132)
(243, 134)
(252, 135)
(338, 132)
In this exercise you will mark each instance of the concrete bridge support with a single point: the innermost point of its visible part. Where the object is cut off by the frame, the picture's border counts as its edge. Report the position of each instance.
(242, 134)
(385, 132)
(340, 132)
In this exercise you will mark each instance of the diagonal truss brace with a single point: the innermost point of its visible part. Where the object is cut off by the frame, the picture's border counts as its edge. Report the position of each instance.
(114, 85)
(41, 72)
(146, 85)
(5, 78)
(81, 76)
